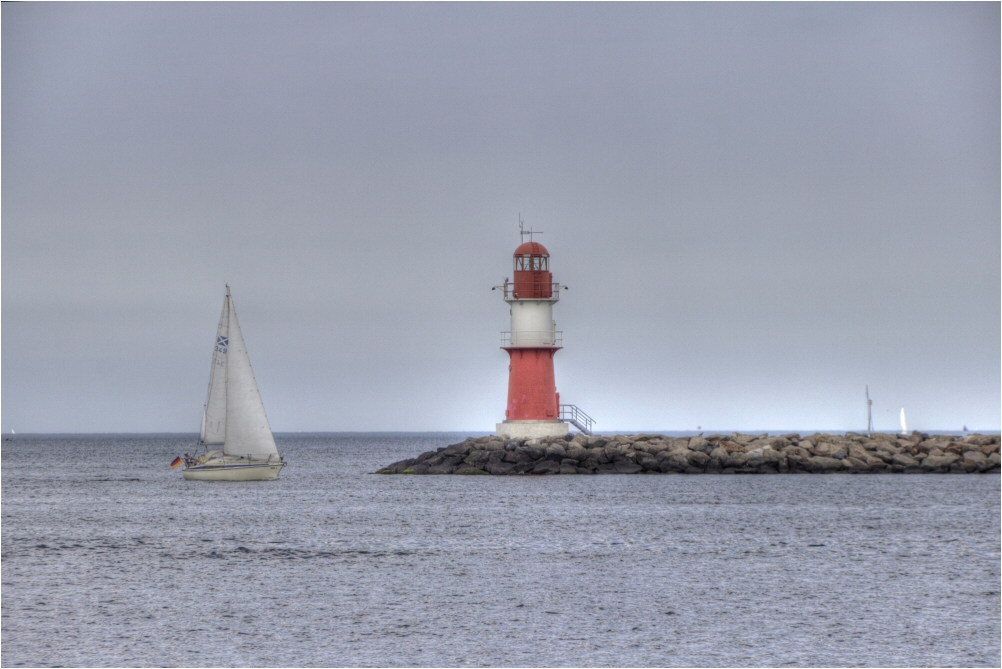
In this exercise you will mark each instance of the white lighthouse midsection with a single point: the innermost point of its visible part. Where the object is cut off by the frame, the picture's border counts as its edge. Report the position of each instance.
(532, 323)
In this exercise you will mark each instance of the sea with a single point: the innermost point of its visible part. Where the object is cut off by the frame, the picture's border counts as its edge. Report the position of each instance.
(110, 558)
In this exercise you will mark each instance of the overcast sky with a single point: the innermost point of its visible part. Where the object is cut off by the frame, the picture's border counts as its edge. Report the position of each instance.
(759, 209)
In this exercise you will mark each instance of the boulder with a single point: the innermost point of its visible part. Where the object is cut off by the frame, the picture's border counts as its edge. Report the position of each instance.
(858, 452)
(517, 457)
(649, 463)
(468, 470)
(440, 469)
(534, 452)
(567, 469)
(904, 460)
(975, 457)
(655, 447)
(543, 466)
(698, 444)
(499, 468)
(462, 449)
(732, 446)
(626, 467)
(477, 458)
(939, 462)
(988, 449)
(875, 463)
(401, 465)
(674, 463)
(698, 458)
(495, 456)
(555, 453)
(823, 465)
(994, 459)
(859, 464)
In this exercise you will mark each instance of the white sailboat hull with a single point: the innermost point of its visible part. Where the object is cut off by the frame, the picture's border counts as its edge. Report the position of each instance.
(249, 472)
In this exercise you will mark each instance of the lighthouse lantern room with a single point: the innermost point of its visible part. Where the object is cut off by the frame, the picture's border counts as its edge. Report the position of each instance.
(534, 408)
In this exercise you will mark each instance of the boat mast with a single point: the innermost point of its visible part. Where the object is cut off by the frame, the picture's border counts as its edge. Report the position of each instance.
(869, 413)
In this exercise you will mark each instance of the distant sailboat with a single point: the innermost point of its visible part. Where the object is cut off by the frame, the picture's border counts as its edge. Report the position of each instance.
(904, 425)
(234, 414)
(869, 412)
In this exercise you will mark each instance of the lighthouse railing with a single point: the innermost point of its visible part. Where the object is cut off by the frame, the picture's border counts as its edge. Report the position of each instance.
(532, 338)
(576, 417)
(509, 292)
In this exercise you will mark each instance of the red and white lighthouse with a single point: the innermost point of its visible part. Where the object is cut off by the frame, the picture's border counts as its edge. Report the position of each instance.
(534, 408)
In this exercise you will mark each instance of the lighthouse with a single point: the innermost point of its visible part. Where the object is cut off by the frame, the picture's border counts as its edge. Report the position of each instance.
(534, 408)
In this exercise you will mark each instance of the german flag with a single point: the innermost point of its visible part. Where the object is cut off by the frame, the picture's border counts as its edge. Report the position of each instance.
(177, 462)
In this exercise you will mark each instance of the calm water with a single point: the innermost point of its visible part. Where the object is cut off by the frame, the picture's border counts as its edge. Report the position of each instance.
(110, 558)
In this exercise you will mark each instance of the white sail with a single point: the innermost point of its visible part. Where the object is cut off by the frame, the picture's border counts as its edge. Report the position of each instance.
(247, 430)
(214, 419)
(904, 425)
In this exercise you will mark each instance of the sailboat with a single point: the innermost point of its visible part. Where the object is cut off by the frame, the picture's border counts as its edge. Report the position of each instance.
(904, 423)
(234, 415)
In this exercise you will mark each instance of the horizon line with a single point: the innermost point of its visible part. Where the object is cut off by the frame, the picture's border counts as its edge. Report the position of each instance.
(777, 432)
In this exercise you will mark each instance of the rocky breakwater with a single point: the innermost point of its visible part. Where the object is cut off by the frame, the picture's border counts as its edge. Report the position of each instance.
(850, 453)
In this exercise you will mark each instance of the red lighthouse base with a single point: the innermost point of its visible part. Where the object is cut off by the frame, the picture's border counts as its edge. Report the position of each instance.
(532, 388)
(533, 403)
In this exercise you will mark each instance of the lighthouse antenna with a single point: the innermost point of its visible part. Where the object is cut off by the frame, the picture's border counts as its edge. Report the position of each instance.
(523, 232)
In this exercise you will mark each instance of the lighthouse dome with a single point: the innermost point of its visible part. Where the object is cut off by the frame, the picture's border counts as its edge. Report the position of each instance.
(531, 249)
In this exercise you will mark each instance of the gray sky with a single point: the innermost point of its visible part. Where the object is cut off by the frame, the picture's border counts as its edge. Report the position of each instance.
(758, 208)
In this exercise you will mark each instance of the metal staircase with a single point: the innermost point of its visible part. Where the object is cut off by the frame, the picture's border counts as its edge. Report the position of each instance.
(577, 418)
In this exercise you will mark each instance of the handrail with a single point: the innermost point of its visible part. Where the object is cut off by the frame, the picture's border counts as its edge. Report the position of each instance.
(532, 338)
(509, 292)
(578, 418)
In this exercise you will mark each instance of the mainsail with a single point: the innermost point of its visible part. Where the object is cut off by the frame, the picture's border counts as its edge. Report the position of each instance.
(247, 430)
(214, 420)
(904, 424)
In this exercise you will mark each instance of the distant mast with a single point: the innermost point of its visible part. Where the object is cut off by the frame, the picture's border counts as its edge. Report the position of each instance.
(869, 413)
(904, 425)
